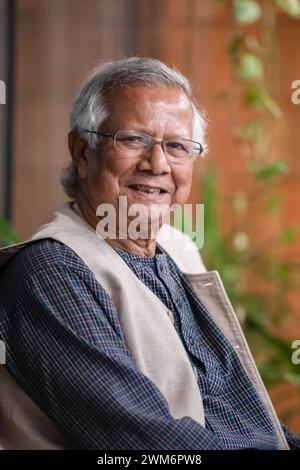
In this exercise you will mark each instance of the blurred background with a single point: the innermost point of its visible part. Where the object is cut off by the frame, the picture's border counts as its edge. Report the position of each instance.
(242, 57)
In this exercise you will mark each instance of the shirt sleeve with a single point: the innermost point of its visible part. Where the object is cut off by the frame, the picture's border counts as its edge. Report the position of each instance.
(71, 359)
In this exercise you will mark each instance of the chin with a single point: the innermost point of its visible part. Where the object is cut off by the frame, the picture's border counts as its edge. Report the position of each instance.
(149, 219)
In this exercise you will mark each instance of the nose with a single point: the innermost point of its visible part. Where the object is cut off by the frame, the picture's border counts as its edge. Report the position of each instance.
(155, 160)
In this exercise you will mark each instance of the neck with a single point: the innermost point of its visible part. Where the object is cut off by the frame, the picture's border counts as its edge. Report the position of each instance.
(140, 246)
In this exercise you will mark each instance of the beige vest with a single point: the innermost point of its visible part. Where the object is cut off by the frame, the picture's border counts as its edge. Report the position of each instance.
(148, 331)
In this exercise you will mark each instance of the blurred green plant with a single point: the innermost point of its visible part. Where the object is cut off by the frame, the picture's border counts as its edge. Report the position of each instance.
(260, 305)
(259, 279)
(7, 233)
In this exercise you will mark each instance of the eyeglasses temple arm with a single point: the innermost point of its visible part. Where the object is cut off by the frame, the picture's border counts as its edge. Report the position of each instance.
(103, 134)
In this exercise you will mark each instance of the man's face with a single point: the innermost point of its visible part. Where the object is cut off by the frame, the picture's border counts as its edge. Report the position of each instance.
(161, 112)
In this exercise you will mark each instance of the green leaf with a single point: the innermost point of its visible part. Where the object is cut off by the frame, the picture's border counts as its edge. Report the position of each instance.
(267, 171)
(273, 204)
(279, 270)
(288, 235)
(251, 67)
(235, 44)
(291, 7)
(292, 378)
(252, 96)
(213, 248)
(256, 96)
(251, 130)
(7, 234)
(246, 11)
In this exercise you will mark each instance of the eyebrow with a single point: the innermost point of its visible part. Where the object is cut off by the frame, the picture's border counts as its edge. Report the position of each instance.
(176, 136)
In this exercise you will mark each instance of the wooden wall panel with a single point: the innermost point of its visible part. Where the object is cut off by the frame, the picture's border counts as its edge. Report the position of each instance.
(58, 43)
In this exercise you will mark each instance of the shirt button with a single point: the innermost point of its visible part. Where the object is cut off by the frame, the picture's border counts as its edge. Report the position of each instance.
(195, 372)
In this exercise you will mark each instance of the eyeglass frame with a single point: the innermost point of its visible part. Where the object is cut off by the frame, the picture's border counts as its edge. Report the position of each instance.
(153, 141)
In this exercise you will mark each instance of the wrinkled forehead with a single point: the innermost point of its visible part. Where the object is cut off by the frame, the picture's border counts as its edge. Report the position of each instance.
(150, 105)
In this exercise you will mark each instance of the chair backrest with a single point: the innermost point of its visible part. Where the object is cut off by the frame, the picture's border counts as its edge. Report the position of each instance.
(23, 424)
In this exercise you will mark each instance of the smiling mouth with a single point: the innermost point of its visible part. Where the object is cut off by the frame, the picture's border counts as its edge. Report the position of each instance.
(146, 189)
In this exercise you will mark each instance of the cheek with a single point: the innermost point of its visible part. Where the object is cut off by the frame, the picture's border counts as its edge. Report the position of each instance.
(183, 182)
(96, 174)
(105, 174)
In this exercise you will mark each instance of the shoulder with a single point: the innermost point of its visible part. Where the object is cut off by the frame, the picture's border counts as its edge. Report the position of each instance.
(50, 272)
(42, 256)
(44, 253)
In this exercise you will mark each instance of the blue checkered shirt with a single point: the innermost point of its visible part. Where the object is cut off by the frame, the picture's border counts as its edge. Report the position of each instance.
(66, 349)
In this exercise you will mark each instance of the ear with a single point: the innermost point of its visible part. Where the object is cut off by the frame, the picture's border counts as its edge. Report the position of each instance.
(77, 148)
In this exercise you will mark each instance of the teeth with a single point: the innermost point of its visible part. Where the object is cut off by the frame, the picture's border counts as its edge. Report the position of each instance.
(146, 189)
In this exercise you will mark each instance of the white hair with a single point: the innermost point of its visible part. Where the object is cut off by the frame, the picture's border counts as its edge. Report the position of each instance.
(91, 107)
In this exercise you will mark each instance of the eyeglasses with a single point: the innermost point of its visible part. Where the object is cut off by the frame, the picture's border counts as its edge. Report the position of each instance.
(134, 144)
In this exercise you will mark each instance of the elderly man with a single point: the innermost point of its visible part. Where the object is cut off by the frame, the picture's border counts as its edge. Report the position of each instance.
(117, 341)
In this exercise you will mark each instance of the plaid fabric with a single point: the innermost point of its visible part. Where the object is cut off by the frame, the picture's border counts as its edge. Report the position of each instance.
(66, 349)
